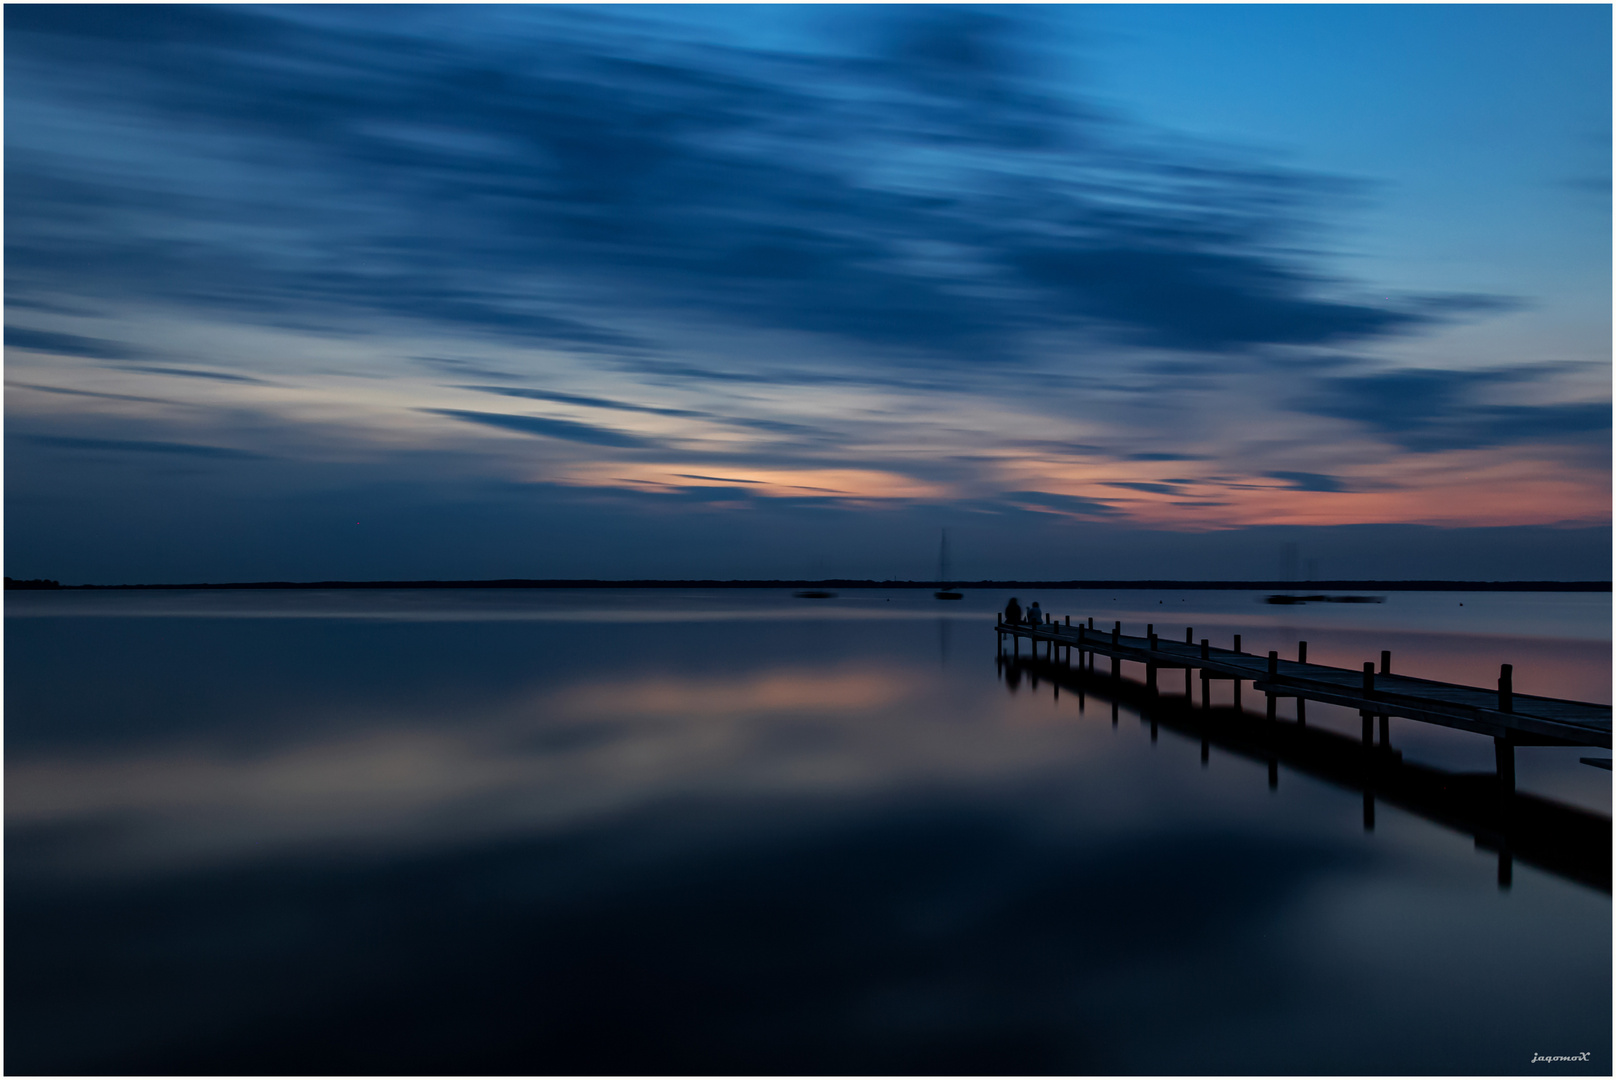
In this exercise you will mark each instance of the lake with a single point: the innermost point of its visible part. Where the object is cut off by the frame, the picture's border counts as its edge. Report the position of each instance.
(730, 831)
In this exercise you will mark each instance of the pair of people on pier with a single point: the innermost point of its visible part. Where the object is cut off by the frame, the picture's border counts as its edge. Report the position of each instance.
(1012, 612)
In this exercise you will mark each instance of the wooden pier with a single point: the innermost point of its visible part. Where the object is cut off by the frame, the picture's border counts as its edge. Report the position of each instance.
(1564, 840)
(1510, 719)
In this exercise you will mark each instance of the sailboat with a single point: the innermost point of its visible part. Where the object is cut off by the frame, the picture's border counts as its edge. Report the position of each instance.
(946, 592)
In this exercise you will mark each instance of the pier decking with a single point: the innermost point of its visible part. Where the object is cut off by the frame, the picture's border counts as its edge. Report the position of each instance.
(1510, 719)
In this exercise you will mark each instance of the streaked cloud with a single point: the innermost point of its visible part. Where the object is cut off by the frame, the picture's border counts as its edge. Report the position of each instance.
(910, 262)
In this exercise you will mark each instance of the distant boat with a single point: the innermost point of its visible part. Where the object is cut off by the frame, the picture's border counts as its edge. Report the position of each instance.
(946, 592)
(814, 594)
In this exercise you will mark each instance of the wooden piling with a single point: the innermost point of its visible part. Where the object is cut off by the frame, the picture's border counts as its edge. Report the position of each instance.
(1369, 691)
(1506, 688)
(1385, 662)
(1301, 652)
(1504, 756)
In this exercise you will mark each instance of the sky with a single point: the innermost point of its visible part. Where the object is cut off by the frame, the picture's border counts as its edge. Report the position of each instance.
(374, 292)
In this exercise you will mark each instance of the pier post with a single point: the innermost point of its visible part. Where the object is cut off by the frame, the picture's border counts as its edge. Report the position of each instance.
(1189, 635)
(1150, 631)
(1206, 690)
(1368, 691)
(1385, 662)
(1206, 649)
(1152, 641)
(1237, 643)
(1504, 755)
(1506, 688)
(1301, 652)
(1273, 672)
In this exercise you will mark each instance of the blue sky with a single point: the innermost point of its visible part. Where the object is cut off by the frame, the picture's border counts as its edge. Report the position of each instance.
(307, 292)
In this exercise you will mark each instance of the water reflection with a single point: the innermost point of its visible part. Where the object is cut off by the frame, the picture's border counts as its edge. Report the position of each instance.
(540, 843)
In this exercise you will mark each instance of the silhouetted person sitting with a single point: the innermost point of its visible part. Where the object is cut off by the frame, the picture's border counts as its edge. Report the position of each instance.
(1035, 614)
(1012, 611)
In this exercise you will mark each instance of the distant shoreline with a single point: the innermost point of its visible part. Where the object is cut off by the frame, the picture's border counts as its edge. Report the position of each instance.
(851, 583)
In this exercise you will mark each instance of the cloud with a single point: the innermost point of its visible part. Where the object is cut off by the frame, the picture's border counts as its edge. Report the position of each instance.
(1066, 504)
(567, 430)
(192, 373)
(141, 446)
(1431, 410)
(579, 399)
(446, 178)
(86, 393)
(1154, 489)
(50, 341)
(716, 479)
(1306, 481)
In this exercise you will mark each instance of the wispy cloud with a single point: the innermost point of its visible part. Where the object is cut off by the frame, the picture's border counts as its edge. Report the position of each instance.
(1433, 410)
(50, 341)
(566, 430)
(745, 186)
(138, 446)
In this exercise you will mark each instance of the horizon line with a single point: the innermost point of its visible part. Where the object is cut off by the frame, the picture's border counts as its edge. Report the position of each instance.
(1254, 584)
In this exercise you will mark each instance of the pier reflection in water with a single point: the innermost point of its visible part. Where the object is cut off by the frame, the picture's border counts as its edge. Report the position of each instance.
(632, 833)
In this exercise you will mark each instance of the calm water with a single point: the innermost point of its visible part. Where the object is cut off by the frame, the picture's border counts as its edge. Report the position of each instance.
(719, 832)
